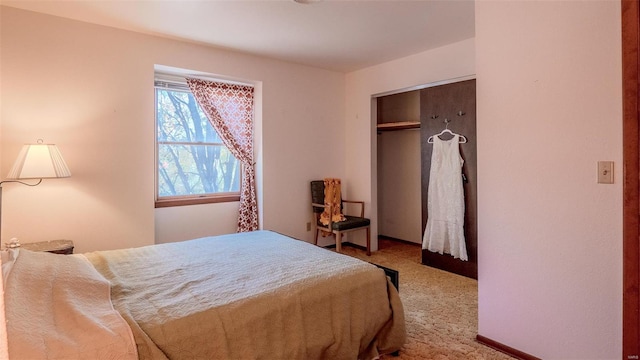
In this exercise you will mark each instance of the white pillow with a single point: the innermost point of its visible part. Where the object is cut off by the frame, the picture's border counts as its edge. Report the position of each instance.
(8, 258)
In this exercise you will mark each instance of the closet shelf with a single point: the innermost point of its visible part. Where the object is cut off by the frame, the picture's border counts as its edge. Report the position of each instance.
(398, 125)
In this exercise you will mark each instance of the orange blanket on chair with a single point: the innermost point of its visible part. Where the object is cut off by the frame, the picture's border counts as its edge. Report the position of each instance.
(332, 201)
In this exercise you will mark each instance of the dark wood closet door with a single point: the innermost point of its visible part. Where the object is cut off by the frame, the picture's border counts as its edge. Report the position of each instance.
(445, 102)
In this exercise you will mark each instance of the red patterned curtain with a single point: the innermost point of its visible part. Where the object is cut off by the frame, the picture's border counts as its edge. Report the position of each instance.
(229, 108)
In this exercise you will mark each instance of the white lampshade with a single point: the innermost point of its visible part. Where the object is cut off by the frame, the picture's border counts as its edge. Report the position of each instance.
(39, 161)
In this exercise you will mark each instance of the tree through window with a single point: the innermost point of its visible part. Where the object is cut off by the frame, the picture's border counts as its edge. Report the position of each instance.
(192, 161)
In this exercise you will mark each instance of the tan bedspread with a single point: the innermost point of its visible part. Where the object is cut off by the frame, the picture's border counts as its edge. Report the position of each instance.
(58, 307)
(257, 295)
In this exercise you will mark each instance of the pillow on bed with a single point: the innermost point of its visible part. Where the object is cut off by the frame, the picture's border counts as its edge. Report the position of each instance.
(7, 258)
(59, 306)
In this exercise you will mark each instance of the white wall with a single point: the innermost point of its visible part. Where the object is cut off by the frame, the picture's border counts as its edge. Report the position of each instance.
(447, 62)
(550, 237)
(89, 89)
(549, 107)
(191, 222)
(400, 185)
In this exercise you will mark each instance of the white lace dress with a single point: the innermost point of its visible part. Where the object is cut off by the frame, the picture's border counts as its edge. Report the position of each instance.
(444, 232)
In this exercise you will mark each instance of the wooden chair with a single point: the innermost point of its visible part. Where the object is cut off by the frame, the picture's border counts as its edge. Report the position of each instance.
(352, 223)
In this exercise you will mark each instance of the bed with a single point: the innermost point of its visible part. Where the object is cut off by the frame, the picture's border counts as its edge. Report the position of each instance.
(256, 295)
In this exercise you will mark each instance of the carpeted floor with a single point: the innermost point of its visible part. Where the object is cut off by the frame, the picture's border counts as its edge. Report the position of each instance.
(441, 308)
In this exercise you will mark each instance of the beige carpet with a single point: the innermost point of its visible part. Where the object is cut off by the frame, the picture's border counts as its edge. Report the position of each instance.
(441, 308)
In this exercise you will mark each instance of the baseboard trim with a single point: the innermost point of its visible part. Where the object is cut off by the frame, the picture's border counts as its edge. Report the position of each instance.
(398, 240)
(347, 243)
(333, 246)
(504, 348)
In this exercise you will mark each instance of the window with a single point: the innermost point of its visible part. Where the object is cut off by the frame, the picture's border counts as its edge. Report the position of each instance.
(193, 165)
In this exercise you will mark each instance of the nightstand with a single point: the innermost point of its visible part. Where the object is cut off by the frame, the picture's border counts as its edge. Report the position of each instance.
(64, 247)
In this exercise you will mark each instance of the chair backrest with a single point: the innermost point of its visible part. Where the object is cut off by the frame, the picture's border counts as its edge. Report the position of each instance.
(317, 195)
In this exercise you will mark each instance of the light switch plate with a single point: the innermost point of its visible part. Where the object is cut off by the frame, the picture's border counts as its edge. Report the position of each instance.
(605, 172)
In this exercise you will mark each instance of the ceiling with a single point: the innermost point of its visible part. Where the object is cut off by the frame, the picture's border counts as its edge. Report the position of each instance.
(340, 35)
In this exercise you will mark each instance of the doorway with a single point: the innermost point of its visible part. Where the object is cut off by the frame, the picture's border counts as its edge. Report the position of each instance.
(404, 123)
(398, 157)
(631, 206)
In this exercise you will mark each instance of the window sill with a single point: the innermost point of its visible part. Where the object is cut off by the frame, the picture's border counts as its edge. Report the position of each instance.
(196, 201)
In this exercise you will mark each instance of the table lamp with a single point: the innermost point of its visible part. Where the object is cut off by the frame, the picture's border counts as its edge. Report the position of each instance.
(36, 162)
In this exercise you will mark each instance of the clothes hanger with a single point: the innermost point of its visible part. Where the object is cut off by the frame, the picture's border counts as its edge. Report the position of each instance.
(462, 139)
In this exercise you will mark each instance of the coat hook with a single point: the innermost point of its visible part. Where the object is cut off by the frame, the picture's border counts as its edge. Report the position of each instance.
(446, 121)
(434, 116)
(461, 113)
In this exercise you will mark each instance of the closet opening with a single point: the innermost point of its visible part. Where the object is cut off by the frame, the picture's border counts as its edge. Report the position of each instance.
(407, 122)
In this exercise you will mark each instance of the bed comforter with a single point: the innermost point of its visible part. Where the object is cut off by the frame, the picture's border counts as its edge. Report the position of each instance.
(257, 295)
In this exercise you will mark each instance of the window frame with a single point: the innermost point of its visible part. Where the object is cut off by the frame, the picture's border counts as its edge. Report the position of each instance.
(183, 200)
